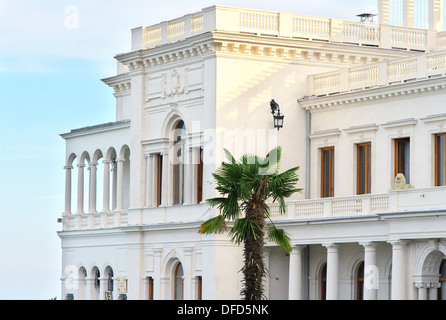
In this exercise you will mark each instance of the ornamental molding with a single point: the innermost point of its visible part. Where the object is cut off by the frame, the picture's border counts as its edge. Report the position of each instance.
(349, 99)
(219, 43)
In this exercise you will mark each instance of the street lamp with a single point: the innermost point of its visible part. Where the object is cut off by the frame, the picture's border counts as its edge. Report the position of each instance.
(278, 118)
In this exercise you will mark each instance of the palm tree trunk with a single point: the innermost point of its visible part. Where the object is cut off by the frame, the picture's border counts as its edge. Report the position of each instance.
(254, 268)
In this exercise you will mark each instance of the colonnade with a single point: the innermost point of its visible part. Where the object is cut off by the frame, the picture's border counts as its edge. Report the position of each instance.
(399, 278)
(112, 200)
(161, 183)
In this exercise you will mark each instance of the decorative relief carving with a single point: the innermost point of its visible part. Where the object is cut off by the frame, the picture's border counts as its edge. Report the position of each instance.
(174, 83)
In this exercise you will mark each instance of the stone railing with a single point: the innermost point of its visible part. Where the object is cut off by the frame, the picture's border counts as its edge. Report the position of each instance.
(379, 74)
(393, 201)
(99, 220)
(359, 205)
(287, 25)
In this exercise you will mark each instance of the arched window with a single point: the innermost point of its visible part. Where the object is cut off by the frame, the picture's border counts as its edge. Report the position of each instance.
(178, 162)
(324, 282)
(360, 282)
(442, 290)
(178, 282)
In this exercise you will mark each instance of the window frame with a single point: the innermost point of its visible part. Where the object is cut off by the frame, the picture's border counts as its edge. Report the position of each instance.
(368, 165)
(436, 164)
(397, 159)
(331, 169)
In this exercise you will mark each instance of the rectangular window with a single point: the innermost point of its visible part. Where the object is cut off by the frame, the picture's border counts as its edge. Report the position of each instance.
(150, 282)
(402, 158)
(327, 172)
(159, 178)
(440, 159)
(200, 178)
(199, 287)
(363, 175)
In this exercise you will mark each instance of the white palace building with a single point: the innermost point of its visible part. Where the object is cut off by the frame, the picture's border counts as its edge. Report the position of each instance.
(364, 105)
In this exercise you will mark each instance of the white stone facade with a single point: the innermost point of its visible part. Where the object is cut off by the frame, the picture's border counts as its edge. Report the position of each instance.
(194, 85)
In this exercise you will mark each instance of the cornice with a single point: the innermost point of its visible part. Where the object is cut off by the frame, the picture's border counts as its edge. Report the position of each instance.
(248, 46)
(110, 126)
(344, 99)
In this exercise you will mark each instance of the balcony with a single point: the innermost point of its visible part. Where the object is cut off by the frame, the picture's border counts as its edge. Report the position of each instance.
(395, 201)
(278, 24)
(427, 65)
(408, 200)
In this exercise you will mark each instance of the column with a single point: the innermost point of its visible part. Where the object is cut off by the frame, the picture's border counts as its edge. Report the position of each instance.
(398, 270)
(195, 165)
(119, 184)
(106, 185)
(165, 183)
(295, 274)
(422, 290)
(433, 290)
(68, 189)
(332, 271)
(92, 189)
(149, 180)
(188, 176)
(80, 188)
(371, 275)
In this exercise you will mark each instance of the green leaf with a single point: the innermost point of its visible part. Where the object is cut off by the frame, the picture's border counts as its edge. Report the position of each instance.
(213, 225)
(243, 229)
(280, 237)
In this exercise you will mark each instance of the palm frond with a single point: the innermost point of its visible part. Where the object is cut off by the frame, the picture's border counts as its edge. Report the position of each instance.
(213, 225)
(280, 237)
(243, 229)
(228, 206)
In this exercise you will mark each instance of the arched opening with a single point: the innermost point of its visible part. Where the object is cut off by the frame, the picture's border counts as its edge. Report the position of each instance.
(125, 155)
(97, 172)
(95, 278)
(178, 162)
(70, 185)
(442, 290)
(82, 284)
(109, 283)
(178, 282)
(323, 282)
(360, 282)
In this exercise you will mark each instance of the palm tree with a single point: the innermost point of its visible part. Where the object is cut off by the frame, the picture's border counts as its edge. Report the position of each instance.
(244, 187)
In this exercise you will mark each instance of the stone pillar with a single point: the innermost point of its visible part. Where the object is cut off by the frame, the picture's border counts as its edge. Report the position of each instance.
(80, 188)
(295, 274)
(68, 189)
(149, 180)
(119, 184)
(106, 191)
(433, 290)
(92, 188)
(332, 271)
(188, 176)
(165, 183)
(398, 270)
(371, 276)
(422, 290)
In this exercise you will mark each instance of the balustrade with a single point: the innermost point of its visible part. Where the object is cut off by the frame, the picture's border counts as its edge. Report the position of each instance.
(287, 25)
(379, 74)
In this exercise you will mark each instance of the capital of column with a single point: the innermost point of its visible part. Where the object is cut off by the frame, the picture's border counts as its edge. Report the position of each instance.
(80, 165)
(426, 285)
(398, 244)
(68, 167)
(331, 245)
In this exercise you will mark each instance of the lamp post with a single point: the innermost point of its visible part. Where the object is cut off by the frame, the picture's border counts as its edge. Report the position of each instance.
(278, 118)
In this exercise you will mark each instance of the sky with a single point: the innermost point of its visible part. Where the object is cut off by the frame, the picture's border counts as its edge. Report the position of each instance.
(53, 54)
